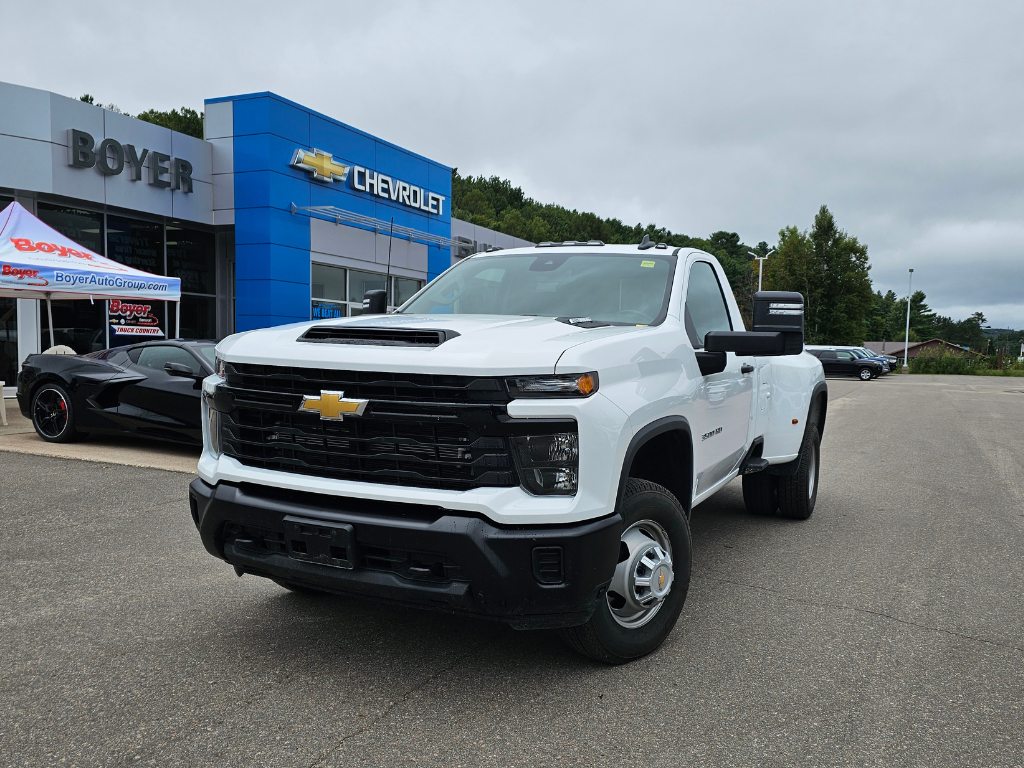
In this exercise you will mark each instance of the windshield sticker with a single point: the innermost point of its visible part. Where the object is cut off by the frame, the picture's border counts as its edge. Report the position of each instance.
(647, 263)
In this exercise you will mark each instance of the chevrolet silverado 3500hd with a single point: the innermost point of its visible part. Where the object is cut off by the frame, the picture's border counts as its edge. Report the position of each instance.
(523, 440)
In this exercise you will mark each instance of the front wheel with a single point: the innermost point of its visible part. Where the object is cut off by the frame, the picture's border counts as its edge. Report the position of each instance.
(865, 374)
(53, 415)
(650, 582)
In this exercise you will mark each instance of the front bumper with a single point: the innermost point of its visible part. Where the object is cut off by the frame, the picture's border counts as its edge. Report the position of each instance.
(414, 554)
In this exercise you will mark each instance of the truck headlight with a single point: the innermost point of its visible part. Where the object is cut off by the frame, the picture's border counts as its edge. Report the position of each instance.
(218, 366)
(569, 385)
(213, 431)
(549, 464)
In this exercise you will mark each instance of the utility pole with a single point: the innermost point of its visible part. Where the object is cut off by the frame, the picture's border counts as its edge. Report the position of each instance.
(906, 344)
(760, 264)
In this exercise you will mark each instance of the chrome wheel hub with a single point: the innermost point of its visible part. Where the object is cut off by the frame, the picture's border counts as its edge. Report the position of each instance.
(643, 577)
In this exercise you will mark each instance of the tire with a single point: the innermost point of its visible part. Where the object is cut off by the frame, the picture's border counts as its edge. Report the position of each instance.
(761, 493)
(53, 414)
(798, 493)
(299, 589)
(865, 374)
(652, 518)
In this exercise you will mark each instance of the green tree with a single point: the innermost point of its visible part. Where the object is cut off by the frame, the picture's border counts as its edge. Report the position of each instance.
(185, 120)
(830, 268)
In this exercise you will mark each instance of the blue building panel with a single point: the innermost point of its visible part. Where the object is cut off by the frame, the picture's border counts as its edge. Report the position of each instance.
(359, 149)
(272, 246)
(269, 189)
(270, 114)
(273, 297)
(263, 261)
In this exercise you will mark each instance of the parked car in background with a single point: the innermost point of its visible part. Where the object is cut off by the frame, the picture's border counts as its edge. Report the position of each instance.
(843, 362)
(890, 360)
(151, 389)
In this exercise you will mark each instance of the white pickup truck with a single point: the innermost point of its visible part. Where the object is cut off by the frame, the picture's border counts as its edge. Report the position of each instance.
(523, 440)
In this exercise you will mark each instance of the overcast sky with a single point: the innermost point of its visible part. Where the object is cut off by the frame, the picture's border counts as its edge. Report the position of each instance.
(905, 118)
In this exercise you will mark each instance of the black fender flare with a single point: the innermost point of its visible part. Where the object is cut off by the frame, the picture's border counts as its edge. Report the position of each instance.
(645, 434)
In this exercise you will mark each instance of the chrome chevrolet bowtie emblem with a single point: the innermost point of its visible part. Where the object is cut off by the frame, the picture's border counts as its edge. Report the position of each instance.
(333, 406)
(321, 165)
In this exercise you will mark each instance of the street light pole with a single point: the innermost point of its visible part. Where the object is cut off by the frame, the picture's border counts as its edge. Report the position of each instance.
(906, 343)
(760, 264)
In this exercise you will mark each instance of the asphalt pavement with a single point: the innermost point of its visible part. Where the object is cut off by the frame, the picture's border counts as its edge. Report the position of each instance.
(888, 630)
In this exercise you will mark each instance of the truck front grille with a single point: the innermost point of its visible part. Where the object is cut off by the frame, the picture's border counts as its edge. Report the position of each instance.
(408, 434)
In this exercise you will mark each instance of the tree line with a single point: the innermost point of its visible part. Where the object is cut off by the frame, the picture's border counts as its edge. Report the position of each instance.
(825, 263)
(182, 120)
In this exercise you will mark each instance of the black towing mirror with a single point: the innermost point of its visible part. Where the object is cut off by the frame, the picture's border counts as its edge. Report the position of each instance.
(778, 328)
(375, 302)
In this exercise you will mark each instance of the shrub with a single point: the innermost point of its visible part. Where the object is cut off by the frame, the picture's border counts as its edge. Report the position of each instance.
(943, 361)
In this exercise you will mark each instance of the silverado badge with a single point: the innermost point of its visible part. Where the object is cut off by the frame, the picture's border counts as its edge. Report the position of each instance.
(333, 406)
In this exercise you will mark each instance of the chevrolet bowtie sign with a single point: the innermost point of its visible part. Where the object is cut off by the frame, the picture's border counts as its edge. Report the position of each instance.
(323, 167)
(333, 406)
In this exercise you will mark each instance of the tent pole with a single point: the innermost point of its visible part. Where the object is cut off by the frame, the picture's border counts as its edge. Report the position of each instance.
(177, 317)
(106, 324)
(49, 317)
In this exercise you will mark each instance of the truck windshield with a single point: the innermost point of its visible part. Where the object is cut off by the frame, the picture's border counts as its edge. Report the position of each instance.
(619, 289)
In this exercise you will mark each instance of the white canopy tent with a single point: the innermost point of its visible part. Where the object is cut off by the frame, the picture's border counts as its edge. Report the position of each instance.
(37, 262)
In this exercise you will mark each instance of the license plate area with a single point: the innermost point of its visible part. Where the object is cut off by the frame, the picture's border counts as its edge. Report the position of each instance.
(319, 541)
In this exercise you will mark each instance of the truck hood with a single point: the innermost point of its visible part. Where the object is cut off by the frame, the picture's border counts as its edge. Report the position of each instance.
(485, 345)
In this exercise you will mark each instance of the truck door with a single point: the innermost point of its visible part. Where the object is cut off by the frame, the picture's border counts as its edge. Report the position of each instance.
(723, 404)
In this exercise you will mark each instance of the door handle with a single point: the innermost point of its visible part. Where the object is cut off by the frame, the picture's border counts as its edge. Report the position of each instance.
(746, 368)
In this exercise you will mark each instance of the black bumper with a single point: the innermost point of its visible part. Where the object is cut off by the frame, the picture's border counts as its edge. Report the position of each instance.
(411, 554)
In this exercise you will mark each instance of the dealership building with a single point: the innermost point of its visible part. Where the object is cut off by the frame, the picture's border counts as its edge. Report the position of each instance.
(281, 214)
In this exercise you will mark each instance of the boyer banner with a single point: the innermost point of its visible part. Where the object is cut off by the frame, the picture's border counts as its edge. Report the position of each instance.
(36, 260)
(132, 321)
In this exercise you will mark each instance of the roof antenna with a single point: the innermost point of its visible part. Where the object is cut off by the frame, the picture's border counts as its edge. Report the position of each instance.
(645, 243)
(387, 278)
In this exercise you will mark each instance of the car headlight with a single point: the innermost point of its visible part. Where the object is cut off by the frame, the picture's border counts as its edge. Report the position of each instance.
(568, 385)
(219, 367)
(549, 464)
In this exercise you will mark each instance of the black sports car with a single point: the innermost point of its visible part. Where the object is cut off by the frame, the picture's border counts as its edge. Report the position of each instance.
(151, 389)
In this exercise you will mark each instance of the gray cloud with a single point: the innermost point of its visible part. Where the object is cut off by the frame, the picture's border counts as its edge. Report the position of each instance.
(904, 117)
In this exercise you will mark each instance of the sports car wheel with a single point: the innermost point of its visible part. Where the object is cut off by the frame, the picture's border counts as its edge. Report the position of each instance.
(650, 581)
(53, 416)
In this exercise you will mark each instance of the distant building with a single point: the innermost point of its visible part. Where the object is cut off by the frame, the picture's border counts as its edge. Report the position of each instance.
(896, 348)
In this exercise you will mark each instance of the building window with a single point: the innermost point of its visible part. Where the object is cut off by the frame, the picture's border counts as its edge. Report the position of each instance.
(8, 341)
(78, 324)
(84, 227)
(338, 292)
(139, 244)
(191, 257)
(403, 289)
(327, 289)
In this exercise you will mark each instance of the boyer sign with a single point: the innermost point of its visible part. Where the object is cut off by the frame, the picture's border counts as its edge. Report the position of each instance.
(110, 158)
(133, 319)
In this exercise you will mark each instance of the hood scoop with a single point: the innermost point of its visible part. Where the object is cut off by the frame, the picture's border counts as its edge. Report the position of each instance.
(383, 337)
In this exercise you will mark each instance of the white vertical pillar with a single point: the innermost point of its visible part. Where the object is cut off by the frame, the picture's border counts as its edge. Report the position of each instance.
(28, 328)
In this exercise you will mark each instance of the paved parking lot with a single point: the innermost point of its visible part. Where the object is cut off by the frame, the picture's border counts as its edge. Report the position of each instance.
(888, 630)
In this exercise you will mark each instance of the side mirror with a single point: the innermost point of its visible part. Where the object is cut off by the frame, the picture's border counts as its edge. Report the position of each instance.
(179, 369)
(781, 312)
(375, 302)
(778, 328)
(745, 343)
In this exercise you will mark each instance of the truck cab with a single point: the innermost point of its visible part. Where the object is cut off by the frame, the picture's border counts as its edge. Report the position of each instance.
(523, 440)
